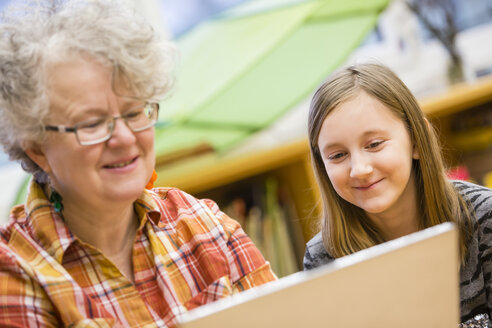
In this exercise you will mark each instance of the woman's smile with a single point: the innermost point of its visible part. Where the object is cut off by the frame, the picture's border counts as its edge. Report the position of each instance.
(122, 165)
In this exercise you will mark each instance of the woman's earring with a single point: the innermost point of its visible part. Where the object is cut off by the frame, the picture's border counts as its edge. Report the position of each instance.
(56, 200)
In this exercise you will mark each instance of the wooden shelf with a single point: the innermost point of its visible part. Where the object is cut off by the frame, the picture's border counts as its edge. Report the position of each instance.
(211, 171)
(458, 97)
(290, 163)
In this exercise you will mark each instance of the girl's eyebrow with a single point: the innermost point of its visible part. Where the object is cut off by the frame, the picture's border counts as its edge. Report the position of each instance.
(374, 131)
(364, 135)
(328, 146)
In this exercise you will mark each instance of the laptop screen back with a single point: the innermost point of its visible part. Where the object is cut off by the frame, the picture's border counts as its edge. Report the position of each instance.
(411, 281)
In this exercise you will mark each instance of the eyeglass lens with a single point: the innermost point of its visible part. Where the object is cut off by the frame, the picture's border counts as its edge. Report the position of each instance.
(100, 129)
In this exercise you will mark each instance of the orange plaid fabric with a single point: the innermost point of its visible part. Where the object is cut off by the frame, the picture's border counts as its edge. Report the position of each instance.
(186, 253)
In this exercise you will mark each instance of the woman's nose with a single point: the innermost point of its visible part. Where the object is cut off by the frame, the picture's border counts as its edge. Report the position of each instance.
(122, 134)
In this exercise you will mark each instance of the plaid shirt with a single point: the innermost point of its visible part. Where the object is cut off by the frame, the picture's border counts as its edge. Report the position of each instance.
(186, 253)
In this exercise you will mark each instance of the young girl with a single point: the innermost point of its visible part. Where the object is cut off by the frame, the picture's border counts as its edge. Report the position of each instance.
(381, 176)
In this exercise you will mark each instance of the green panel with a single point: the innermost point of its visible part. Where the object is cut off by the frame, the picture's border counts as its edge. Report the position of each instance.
(181, 137)
(253, 7)
(288, 74)
(241, 72)
(336, 9)
(327, 7)
(21, 196)
(221, 51)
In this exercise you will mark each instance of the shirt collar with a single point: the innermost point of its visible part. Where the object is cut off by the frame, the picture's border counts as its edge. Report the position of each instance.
(53, 234)
(47, 225)
(147, 209)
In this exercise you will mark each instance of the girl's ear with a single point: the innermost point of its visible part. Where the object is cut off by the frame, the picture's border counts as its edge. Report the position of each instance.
(416, 154)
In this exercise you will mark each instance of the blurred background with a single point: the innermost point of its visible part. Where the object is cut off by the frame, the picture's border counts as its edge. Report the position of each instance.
(234, 127)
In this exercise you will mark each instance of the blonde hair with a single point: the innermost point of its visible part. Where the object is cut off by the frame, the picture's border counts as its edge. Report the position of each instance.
(39, 33)
(345, 227)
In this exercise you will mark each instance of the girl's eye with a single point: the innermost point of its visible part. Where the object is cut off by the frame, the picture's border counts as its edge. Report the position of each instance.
(336, 156)
(374, 144)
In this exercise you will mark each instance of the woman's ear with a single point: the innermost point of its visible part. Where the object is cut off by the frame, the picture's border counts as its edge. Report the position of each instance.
(37, 155)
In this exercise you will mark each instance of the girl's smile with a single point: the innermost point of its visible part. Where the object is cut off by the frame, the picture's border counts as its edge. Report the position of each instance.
(368, 154)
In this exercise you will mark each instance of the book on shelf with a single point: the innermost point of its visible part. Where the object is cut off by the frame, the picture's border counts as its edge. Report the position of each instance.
(472, 129)
(282, 246)
(266, 213)
(487, 180)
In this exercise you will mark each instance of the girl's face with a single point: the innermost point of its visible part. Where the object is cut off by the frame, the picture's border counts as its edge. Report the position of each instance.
(367, 153)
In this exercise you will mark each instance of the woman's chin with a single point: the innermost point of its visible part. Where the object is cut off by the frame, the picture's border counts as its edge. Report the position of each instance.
(126, 190)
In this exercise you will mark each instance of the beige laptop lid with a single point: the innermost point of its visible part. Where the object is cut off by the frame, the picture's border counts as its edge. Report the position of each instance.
(411, 281)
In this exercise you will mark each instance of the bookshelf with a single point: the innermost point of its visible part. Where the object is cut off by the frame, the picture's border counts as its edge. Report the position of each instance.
(222, 178)
(463, 119)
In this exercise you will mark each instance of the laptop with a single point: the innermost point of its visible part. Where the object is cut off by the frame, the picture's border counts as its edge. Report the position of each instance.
(412, 281)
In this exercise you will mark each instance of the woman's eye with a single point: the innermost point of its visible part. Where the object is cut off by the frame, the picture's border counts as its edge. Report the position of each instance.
(91, 124)
(134, 115)
(374, 144)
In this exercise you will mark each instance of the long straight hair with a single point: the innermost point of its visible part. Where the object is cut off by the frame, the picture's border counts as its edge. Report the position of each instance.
(346, 228)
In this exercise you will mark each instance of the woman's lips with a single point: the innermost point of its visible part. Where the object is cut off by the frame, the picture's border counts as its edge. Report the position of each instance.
(121, 164)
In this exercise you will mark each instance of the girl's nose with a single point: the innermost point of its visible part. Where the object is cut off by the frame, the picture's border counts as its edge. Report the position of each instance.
(360, 166)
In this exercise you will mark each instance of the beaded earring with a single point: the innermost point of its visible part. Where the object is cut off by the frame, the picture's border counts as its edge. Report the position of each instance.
(56, 200)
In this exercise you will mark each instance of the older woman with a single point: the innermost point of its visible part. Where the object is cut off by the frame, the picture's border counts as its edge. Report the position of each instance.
(80, 84)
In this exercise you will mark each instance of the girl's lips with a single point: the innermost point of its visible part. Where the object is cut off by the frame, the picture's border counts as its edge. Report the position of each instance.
(367, 186)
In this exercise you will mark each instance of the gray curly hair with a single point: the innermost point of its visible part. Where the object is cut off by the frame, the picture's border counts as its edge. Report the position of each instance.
(44, 32)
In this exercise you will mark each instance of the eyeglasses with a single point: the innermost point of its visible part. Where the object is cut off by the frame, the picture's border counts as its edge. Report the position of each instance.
(100, 129)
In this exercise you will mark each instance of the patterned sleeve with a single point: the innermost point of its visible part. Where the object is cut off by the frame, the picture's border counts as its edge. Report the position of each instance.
(316, 255)
(308, 260)
(476, 280)
(23, 303)
(248, 266)
(481, 200)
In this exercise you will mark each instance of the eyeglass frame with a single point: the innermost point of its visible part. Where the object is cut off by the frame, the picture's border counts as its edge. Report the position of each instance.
(112, 124)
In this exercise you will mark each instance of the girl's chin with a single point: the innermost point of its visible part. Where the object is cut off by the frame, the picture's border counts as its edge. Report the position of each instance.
(374, 209)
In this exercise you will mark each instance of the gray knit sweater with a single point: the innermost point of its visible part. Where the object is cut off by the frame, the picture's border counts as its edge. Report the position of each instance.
(475, 274)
